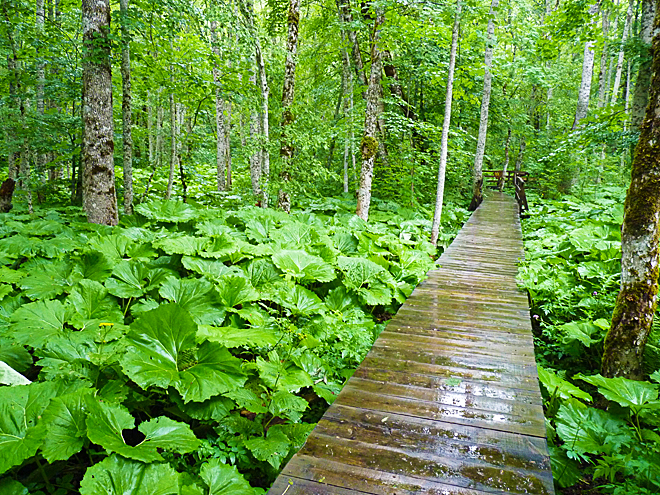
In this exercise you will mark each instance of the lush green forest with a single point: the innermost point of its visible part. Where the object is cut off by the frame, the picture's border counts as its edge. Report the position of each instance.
(209, 211)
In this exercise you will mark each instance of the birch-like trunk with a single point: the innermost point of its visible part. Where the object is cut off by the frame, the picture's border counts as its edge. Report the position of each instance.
(477, 180)
(150, 129)
(521, 154)
(369, 146)
(619, 63)
(587, 72)
(602, 74)
(255, 158)
(640, 254)
(641, 96)
(40, 158)
(358, 64)
(99, 194)
(170, 180)
(505, 167)
(221, 140)
(126, 108)
(442, 168)
(288, 90)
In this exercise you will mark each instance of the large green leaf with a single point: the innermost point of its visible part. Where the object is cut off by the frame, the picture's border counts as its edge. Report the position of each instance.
(47, 280)
(9, 376)
(589, 430)
(299, 301)
(93, 265)
(20, 433)
(221, 246)
(163, 352)
(64, 420)
(584, 332)
(167, 211)
(262, 272)
(222, 479)
(302, 266)
(118, 476)
(237, 337)
(9, 486)
(183, 244)
(93, 305)
(196, 297)
(358, 271)
(14, 354)
(273, 448)
(287, 405)
(106, 423)
(280, 375)
(209, 268)
(629, 393)
(36, 323)
(559, 387)
(234, 290)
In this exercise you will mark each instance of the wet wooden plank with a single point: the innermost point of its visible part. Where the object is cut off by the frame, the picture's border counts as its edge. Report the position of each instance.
(447, 401)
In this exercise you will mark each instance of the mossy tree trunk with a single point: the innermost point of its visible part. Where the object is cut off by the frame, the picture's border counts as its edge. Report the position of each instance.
(477, 177)
(98, 188)
(369, 146)
(637, 300)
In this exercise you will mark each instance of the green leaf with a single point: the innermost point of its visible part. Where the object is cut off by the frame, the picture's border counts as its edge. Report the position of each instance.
(209, 268)
(10, 276)
(655, 376)
(163, 352)
(303, 266)
(9, 486)
(93, 266)
(222, 479)
(339, 300)
(628, 393)
(106, 422)
(64, 420)
(213, 409)
(262, 272)
(282, 376)
(50, 281)
(20, 409)
(5, 290)
(129, 279)
(273, 448)
(36, 323)
(14, 354)
(117, 476)
(358, 271)
(556, 386)
(93, 305)
(584, 332)
(167, 211)
(299, 301)
(184, 244)
(234, 290)
(248, 400)
(287, 405)
(195, 296)
(236, 337)
(566, 472)
(220, 247)
(9, 376)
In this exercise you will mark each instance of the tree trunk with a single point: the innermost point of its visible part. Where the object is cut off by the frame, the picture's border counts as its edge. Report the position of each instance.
(221, 140)
(502, 179)
(477, 181)
(99, 195)
(150, 131)
(347, 17)
(442, 168)
(602, 74)
(637, 300)
(6, 195)
(40, 158)
(170, 180)
(619, 64)
(126, 108)
(587, 73)
(521, 154)
(641, 96)
(369, 146)
(286, 147)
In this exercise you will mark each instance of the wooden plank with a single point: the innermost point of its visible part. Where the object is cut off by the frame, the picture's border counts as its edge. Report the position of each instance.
(447, 401)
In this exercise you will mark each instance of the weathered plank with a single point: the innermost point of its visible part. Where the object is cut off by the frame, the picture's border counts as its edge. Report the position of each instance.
(447, 401)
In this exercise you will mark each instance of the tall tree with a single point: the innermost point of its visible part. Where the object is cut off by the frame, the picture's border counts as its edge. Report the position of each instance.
(602, 73)
(40, 157)
(584, 92)
(641, 94)
(640, 254)
(99, 194)
(369, 145)
(220, 126)
(126, 108)
(619, 64)
(477, 178)
(442, 167)
(288, 90)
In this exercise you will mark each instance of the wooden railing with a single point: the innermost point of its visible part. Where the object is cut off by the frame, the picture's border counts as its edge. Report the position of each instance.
(494, 178)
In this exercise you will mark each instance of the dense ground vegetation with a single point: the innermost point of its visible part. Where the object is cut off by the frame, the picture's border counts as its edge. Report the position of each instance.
(603, 432)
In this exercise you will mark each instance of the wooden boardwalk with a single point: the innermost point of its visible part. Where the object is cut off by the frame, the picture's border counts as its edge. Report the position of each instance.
(447, 402)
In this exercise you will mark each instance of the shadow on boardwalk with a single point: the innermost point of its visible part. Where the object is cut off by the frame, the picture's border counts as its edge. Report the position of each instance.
(447, 402)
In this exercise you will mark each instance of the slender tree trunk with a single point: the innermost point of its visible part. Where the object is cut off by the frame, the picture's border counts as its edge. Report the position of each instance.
(637, 301)
(40, 158)
(641, 97)
(502, 179)
(286, 147)
(221, 140)
(255, 158)
(99, 195)
(442, 168)
(150, 130)
(358, 65)
(170, 180)
(13, 157)
(126, 108)
(619, 64)
(228, 142)
(587, 73)
(369, 146)
(521, 154)
(477, 181)
(602, 74)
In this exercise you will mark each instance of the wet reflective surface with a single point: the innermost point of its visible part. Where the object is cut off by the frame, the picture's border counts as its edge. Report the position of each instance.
(447, 402)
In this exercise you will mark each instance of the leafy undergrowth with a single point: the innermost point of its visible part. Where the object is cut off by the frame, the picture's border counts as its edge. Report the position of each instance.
(572, 271)
(189, 350)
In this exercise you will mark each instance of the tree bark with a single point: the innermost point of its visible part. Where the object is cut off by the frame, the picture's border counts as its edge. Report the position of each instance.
(442, 168)
(126, 108)
(40, 158)
(521, 154)
(99, 194)
(288, 90)
(477, 181)
(170, 180)
(587, 73)
(641, 94)
(221, 132)
(255, 158)
(6, 195)
(637, 300)
(502, 180)
(602, 74)
(619, 64)
(369, 146)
